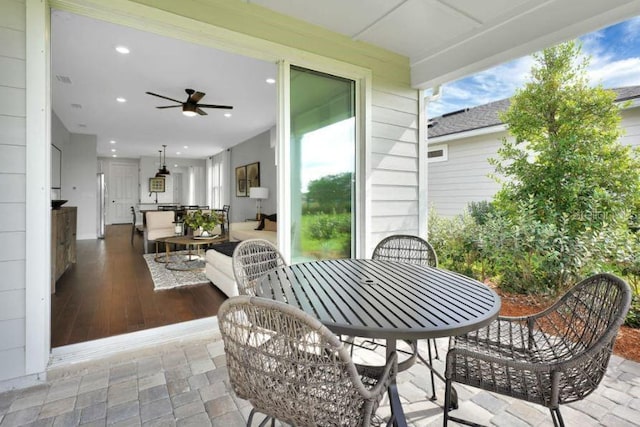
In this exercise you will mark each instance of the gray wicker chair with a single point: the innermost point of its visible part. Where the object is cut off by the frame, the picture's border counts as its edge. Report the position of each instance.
(413, 250)
(292, 368)
(554, 357)
(251, 260)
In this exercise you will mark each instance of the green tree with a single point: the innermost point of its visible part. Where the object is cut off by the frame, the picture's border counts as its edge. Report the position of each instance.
(331, 193)
(565, 157)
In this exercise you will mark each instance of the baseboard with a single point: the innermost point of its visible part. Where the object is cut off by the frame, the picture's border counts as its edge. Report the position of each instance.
(105, 347)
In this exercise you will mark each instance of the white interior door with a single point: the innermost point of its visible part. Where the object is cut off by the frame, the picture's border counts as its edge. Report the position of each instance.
(122, 192)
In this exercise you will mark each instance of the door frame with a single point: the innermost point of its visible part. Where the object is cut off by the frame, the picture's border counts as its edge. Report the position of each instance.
(145, 18)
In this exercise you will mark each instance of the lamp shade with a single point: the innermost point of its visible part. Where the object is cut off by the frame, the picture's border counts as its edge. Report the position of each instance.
(258, 192)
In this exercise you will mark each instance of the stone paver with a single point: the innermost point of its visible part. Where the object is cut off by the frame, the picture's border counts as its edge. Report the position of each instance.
(183, 385)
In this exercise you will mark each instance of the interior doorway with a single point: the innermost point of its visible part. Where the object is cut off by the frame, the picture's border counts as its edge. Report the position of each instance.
(100, 92)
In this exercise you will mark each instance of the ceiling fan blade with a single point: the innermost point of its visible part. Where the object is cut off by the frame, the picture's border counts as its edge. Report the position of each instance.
(224, 107)
(170, 106)
(201, 112)
(197, 96)
(164, 97)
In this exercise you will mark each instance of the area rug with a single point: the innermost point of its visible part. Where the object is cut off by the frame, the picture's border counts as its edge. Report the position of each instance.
(164, 278)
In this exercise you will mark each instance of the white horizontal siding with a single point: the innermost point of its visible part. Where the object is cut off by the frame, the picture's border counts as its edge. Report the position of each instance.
(13, 130)
(12, 188)
(463, 177)
(631, 124)
(13, 275)
(394, 174)
(394, 148)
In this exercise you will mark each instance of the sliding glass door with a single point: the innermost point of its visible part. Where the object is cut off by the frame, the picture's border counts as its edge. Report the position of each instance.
(322, 159)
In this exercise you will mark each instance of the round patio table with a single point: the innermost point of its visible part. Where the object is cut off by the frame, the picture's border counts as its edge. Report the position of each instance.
(384, 299)
(387, 300)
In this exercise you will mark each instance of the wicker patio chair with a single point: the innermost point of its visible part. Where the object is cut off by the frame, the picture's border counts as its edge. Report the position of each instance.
(293, 369)
(557, 356)
(251, 260)
(413, 250)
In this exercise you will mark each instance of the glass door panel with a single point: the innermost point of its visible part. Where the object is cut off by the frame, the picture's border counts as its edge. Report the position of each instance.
(323, 144)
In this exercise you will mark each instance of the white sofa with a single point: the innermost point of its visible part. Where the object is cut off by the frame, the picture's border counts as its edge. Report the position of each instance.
(218, 267)
(247, 230)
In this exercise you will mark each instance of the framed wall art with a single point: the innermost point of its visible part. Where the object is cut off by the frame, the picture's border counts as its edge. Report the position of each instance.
(241, 181)
(156, 185)
(253, 175)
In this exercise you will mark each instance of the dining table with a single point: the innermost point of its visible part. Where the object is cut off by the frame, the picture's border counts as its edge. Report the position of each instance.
(388, 300)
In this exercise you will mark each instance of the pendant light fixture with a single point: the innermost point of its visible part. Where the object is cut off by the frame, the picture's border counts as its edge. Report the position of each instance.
(163, 171)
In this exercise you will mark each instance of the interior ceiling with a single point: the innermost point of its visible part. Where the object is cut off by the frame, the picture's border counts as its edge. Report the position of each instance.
(83, 50)
(443, 39)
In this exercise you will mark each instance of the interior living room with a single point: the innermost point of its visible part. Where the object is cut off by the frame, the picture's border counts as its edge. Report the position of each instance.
(119, 98)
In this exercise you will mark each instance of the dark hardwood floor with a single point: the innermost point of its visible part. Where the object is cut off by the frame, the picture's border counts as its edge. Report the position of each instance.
(109, 291)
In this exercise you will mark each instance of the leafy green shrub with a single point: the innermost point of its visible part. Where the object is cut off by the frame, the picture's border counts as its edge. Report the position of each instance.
(480, 211)
(455, 241)
(328, 226)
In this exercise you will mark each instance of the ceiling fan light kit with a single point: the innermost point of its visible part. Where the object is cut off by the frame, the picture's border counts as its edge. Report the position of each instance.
(190, 107)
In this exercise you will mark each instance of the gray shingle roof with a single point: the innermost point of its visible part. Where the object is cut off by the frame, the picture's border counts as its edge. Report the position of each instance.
(486, 115)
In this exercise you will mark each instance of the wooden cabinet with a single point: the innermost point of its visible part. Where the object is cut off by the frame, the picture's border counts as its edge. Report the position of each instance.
(63, 241)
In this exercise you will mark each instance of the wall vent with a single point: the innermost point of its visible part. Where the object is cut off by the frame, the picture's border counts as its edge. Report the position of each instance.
(63, 79)
(78, 106)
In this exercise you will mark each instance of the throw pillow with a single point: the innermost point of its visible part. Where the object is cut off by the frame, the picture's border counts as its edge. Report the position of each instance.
(270, 225)
(272, 217)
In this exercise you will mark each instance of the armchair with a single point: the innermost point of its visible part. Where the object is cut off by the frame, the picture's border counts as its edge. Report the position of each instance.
(293, 369)
(557, 356)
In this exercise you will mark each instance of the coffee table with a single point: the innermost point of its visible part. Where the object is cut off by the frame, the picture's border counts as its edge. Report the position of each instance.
(190, 261)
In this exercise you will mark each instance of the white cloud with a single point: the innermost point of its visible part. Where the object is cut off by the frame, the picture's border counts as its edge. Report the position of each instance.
(487, 86)
(631, 30)
(620, 73)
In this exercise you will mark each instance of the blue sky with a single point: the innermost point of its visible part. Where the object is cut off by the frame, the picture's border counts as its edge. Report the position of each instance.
(615, 62)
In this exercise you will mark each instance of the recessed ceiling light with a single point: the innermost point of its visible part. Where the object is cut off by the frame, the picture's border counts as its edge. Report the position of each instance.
(227, 115)
(113, 150)
(114, 155)
(178, 153)
(175, 166)
(121, 99)
(122, 49)
(270, 81)
(112, 142)
(185, 147)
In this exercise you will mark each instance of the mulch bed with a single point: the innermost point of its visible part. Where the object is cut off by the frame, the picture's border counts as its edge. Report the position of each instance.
(628, 341)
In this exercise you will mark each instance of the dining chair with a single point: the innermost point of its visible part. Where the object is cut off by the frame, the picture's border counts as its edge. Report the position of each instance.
(292, 368)
(251, 260)
(554, 357)
(413, 250)
(159, 224)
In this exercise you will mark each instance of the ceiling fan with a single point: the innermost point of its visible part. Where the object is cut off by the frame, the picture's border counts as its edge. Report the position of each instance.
(191, 107)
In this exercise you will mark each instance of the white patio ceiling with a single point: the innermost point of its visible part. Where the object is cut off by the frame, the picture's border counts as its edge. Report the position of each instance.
(449, 39)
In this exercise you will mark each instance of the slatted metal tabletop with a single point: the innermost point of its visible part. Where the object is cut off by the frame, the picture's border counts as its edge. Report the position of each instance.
(384, 299)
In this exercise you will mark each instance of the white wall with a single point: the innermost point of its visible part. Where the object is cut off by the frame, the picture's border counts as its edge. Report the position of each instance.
(12, 188)
(150, 165)
(395, 175)
(256, 149)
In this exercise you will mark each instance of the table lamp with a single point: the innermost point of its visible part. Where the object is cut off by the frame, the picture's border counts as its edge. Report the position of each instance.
(258, 193)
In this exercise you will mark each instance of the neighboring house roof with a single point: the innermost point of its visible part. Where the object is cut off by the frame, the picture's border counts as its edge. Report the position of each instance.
(486, 115)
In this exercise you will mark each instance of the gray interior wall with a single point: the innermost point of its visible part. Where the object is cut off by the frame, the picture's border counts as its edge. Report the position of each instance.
(79, 168)
(256, 149)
